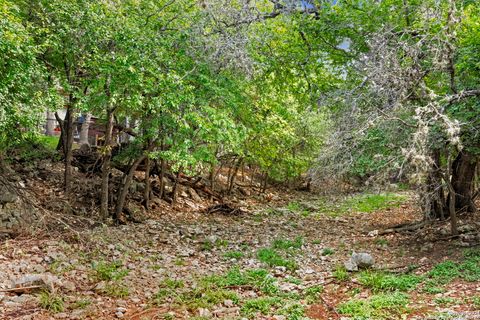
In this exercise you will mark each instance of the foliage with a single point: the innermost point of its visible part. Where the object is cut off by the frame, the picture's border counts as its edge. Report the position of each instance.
(110, 270)
(273, 259)
(51, 301)
(391, 282)
(381, 306)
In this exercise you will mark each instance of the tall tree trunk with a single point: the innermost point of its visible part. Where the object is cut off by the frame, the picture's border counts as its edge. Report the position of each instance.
(62, 141)
(463, 175)
(85, 128)
(69, 126)
(50, 124)
(212, 179)
(127, 180)
(175, 187)
(146, 194)
(234, 174)
(106, 165)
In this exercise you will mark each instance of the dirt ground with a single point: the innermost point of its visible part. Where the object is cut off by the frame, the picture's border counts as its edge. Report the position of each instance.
(113, 272)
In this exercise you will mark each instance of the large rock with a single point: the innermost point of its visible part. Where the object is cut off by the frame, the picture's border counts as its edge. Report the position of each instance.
(360, 260)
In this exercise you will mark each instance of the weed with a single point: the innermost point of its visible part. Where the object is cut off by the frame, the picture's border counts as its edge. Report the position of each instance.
(476, 302)
(81, 304)
(273, 259)
(293, 280)
(341, 274)
(328, 252)
(207, 246)
(381, 242)
(116, 290)
(262, 305)
(293, 311)
(109, 271)
(172, 284)
(432, 288)
(387, 281)
(444, 272)
(381, 306)
(233, 255)
(293, 206)
(312, 293)
(284, 244)
(179, 262)
(51, 302)
(316, 241)
(445, 301)
(257, 278)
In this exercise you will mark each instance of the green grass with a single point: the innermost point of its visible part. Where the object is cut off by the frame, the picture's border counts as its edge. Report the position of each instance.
(49, 142)
(259, 279)
(285, 244)
(273, 259)
(81, 304)
(51, 302)
(328, 252)
(468, 270)
(389, 282)
(293, 206)
(263, 305)
(361, 203)
(341, 274)
(233, 255)
(109, 271)
(380, 306)
(445, 301)
(116, 289)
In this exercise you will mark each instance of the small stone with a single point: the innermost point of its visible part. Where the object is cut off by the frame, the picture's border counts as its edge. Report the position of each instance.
(350, 265)
(119, 314)
(202, 312)
(226, 303)
(121, 309)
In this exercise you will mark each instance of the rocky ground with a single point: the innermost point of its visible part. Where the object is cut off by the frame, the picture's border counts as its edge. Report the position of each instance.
(270, 262)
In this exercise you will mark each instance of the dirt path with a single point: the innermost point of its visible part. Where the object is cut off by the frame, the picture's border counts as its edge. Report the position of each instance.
(271, 263)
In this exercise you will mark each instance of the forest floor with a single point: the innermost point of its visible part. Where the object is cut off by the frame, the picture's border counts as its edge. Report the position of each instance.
(274, 261)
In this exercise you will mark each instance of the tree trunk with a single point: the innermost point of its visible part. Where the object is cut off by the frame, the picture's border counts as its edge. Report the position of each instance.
(175, 187)
(84, 129)
(62, 141)
(122, 195)
(463, 176)
(50, 124)
(106, 165)
(234, 174)
(146, 194)
(212, 179)
(69, 126)
(162, 177)
(435, 191)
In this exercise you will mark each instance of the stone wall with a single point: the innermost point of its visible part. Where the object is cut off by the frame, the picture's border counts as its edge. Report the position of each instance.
(15, 214)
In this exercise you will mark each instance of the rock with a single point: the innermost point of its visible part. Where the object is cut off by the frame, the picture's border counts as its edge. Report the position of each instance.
(7, 194)
(363, 260)
(194, 195)
(279, 317)
(121, 309)
(69, 286)
(119, 315)
(373, 233)
(226, 303)
(42, 281)
(202, 312)
(350, 265)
